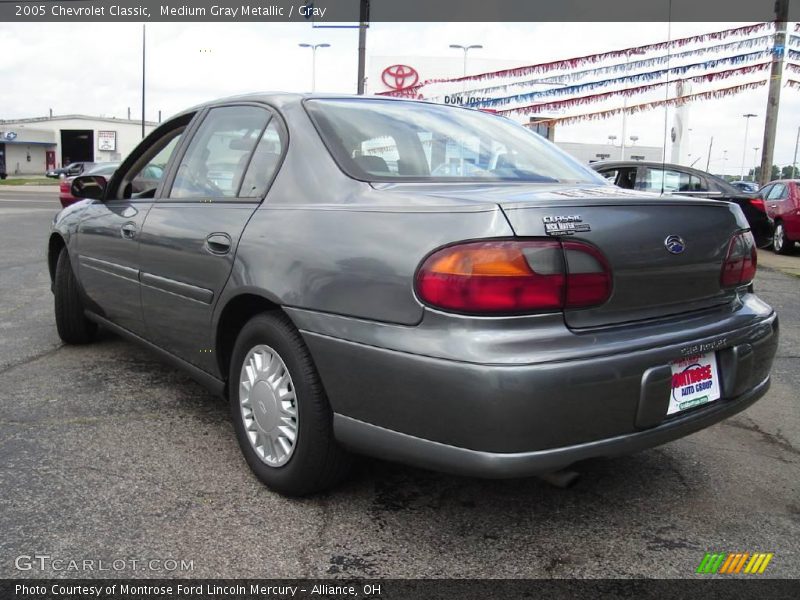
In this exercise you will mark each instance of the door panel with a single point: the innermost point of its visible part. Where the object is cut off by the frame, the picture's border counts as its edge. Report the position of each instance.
(190, 237)
(108, 245)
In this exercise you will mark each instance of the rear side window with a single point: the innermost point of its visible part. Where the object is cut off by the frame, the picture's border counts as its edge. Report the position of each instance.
(219, 154)
(778, 192)
(264, 162)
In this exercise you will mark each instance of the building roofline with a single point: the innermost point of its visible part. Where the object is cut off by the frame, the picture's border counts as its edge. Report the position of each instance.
(80, 117)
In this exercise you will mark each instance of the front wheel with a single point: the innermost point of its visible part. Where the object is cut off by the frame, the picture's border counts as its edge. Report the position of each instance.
(283, 422)
(780, 243)
(72, 325)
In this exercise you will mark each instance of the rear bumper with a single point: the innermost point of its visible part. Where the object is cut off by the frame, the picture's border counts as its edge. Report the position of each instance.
(541, 398)
(391, 445)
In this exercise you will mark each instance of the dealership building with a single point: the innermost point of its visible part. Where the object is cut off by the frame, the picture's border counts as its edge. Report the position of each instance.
(32, 146)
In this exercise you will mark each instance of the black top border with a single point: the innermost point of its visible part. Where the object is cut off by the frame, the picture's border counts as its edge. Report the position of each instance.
(340, 13)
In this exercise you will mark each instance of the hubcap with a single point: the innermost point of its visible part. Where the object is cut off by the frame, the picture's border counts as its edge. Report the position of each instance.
(778, 240)
(268, 405)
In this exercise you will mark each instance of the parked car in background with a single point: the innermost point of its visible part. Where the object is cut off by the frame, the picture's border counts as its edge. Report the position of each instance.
(419, 282)
(147, 179)
(748, 187)
(666, 178)
(71, 170)
(782, 200)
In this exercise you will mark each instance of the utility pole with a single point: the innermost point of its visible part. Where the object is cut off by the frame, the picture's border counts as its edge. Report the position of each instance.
(363, 23)
(143, 55)
(773, 99)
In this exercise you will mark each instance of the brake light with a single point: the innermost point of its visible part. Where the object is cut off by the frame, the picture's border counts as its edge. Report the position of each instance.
(63, 186)
(739, 267)
(505, 276)
(758, 203)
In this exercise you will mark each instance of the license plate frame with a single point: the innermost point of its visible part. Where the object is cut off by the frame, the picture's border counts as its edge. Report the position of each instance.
(695, 382)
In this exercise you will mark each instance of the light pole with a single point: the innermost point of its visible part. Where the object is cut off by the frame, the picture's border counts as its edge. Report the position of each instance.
(314, 61)
(724, 162)
(634, 139)
(465, 49)
(625, 101)
(794, 160)
(612, 139)
(747, 118)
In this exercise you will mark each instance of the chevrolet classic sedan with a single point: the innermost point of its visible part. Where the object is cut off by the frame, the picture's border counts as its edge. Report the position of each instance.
(421, 283)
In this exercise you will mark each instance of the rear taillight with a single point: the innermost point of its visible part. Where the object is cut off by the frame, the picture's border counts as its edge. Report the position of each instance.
(63, 186)
(508, 276)
(739, 267)
(758, 203)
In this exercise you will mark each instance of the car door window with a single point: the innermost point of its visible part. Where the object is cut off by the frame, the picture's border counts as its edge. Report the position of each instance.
(264, 163)
(670, 181)
(135, 183)
(217, 157)
(778, 192)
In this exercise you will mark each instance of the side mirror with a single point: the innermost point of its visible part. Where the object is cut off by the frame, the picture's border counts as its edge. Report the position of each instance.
(89, 186)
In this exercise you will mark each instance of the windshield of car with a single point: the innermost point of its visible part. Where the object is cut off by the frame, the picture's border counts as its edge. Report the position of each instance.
(382, 140)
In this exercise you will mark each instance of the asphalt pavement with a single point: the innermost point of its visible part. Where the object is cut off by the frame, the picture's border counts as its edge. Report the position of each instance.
(110, 455)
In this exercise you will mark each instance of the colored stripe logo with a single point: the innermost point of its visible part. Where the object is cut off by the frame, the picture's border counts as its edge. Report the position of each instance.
(734, 563)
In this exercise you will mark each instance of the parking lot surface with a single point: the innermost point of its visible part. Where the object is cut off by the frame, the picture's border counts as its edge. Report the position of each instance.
(108, 454)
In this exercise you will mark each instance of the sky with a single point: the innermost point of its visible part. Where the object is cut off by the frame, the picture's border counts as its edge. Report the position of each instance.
(95, 69)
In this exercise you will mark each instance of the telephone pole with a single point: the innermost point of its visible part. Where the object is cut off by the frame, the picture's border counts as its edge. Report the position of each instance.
(773, 99)
(363, 23)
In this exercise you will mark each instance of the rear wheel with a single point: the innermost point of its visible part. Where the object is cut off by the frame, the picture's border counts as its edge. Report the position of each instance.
(72, 325)
(780, 243)
(283, 422)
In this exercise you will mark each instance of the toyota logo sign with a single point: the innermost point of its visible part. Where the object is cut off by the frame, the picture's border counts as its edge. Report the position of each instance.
(399, 77)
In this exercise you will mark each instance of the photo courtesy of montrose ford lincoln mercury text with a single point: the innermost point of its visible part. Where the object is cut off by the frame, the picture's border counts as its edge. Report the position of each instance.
(421, 283)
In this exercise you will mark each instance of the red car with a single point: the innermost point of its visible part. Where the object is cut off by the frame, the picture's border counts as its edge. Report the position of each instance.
(782, 200)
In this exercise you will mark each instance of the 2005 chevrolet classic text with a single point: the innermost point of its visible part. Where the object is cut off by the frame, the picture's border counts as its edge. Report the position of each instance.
(422, 283)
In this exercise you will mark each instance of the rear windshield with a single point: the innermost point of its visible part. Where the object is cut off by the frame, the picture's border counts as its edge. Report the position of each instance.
(382, 140)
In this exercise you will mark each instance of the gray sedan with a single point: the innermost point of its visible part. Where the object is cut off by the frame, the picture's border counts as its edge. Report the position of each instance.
(422, 283)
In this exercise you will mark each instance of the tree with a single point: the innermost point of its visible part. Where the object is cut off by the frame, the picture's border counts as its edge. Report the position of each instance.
(788, 173)
(755, 174)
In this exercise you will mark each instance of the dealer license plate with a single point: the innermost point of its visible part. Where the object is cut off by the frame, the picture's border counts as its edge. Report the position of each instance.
(695, 381)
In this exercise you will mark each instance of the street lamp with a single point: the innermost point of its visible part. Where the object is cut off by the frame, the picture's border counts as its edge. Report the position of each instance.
(747, 118)
(625, 100)
(611, 139)
(634, 139)
(314, 61)
(724, 161)
(465, 49)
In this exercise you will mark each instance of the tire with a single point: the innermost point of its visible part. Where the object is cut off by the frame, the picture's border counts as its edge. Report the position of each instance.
(780, 243)
(72, 325)
(315, 462)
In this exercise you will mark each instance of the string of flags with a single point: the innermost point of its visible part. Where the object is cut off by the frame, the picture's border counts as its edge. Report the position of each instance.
(623, 67)
(572, 63)
(710, 95)
(628, 79)
(627, 92)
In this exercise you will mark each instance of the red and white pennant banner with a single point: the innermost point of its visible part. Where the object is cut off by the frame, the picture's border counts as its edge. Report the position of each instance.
(710, 95)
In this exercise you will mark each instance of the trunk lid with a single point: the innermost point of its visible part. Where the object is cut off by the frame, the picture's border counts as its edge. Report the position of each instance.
(632, 230)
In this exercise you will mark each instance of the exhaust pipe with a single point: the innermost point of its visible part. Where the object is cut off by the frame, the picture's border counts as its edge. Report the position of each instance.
(561, 479)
